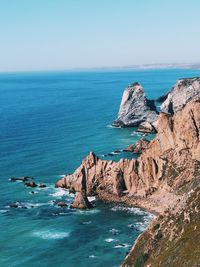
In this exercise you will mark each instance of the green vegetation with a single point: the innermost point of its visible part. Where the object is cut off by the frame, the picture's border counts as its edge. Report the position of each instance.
(156, 226)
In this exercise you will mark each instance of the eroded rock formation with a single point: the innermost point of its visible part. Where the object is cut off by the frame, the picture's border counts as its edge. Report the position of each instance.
(81, 201)
(168, 162)
(183, 92)
(135, 108)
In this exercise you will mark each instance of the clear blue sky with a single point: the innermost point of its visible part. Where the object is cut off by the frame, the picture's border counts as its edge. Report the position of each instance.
(62, 34)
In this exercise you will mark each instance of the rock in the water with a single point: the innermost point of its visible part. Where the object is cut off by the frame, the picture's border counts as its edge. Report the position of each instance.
(146, 127)
(61, 204)
(139, 147)
(135, 108)
(30, 184)
(14, 205)
(81, 201)
(42, 185)
(22, 179)
(183, 92)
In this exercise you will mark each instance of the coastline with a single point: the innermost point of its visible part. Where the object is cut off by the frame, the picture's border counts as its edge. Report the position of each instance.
(162, 180)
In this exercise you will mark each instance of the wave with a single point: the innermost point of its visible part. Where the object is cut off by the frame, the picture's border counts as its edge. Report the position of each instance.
(51, 234)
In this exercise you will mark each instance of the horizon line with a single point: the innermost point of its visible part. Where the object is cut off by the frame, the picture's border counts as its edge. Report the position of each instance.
(146, 66)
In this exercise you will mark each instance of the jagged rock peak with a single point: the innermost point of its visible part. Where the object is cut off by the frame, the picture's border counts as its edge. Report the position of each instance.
(183, 92)
(135, 108)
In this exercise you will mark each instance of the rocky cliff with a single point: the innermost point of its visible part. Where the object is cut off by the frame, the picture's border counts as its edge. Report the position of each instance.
(168, 163)
(165, 179)
(135, 108)
(183, 92)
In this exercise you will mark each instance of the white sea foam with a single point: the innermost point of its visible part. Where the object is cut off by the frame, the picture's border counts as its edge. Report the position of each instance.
(92, 198)
(112, 126)
(61, 192)
(133, 210)
(89, 222)
(122, 246)
(30, 205)
(109, 240)
(51, 234)
(114, 231)
(87, 212)
(3, 211)
(92, 256)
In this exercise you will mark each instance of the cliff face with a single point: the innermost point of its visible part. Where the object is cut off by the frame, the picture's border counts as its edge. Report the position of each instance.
(164, 179)
(135, 108)
(167, 164)
(183, 92)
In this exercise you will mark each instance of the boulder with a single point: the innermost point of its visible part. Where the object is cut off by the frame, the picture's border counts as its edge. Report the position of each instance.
(183, 92)
(135, 108)
(81, 201)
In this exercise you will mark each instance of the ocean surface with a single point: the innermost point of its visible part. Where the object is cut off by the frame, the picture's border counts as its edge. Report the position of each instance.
(49, 121)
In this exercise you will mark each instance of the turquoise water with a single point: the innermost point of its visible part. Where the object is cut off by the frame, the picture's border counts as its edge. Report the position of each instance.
(49, 122)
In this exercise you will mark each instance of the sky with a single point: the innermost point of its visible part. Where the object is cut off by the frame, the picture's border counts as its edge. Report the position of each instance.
(68, 34)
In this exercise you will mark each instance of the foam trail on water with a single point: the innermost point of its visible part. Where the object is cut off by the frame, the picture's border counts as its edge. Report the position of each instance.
(51, 234)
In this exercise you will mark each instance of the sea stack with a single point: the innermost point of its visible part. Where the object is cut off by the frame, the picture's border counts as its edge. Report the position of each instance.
(135, 109)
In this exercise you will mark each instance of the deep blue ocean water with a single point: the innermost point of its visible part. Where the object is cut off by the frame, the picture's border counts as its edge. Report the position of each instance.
(49, 121)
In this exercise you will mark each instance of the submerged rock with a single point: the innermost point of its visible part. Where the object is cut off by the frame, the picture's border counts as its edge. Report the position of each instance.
(183, 92)
(81, 201)
(135, 108)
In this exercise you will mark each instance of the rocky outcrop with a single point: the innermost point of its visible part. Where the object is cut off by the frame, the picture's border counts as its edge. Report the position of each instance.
(165, 179)
(168, 162)
(139, 147)
(147, 127)
(183, 92)
(135, 108)
(81, 201)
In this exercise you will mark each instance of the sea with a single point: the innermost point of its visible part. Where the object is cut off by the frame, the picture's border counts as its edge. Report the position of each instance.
(49, 121)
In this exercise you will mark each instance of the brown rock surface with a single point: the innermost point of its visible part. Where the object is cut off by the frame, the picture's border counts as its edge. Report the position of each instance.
(81, 201)
(165, 179)
(139, 147)
(168, 163)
